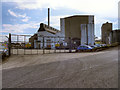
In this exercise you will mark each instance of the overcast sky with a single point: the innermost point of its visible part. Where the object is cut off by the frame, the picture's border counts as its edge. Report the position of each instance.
(24, 16)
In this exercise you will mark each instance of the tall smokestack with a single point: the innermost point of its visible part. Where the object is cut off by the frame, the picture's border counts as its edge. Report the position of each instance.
(48, 16)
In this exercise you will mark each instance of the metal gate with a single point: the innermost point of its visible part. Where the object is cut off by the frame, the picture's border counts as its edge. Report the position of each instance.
(33, 45)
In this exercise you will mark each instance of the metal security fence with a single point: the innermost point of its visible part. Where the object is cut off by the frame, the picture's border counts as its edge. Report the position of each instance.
(19, 44)
(27, 44)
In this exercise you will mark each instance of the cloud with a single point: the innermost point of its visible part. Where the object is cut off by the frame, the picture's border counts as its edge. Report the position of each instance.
(25, 18)
(100, 21)
(12, 13)
(55, 20)
(100, 8)
(108, 8)
(18, 28)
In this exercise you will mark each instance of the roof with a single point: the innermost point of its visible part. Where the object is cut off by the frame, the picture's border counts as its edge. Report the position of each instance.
(44, 27)
(79, 16)
(107, 23)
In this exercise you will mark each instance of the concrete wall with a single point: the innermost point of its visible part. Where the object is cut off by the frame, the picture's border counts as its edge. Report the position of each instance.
(72, 26)
(115, 36)
(62, 27)
(105, 31)
(83, 34)
(87, 34)
(91, 36)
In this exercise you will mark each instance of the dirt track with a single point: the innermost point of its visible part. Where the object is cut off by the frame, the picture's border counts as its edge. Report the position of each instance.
(68, 70)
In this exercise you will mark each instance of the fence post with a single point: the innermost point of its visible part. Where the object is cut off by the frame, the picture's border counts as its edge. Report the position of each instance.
(24, 44)
(43, 45)
(70, 45)
(9, 45)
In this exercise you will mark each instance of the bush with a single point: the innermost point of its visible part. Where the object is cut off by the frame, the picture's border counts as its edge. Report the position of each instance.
(3, 55)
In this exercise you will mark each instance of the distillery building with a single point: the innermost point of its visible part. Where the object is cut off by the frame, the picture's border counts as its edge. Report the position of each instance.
(79, 27)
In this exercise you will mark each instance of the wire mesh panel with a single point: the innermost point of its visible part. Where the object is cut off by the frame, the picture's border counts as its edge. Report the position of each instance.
(20, 44)
(27, 44)
(57, 44)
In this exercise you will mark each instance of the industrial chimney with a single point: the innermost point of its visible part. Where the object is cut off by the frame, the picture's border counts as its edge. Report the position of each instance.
(48, 17)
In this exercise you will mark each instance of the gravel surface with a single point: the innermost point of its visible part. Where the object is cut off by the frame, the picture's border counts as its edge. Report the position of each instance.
(64, 70)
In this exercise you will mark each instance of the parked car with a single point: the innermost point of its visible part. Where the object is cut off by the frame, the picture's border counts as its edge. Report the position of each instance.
(84, 47)
(98, 45)
(94, 46)
(103, 45)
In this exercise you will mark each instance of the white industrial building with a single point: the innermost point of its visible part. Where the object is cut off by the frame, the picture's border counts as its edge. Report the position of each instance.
(51, 36)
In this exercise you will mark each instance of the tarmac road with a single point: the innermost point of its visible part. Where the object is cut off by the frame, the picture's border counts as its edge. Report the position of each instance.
(68, 70)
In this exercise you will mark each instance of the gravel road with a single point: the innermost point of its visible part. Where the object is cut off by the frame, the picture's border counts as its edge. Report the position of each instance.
(64, 70)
